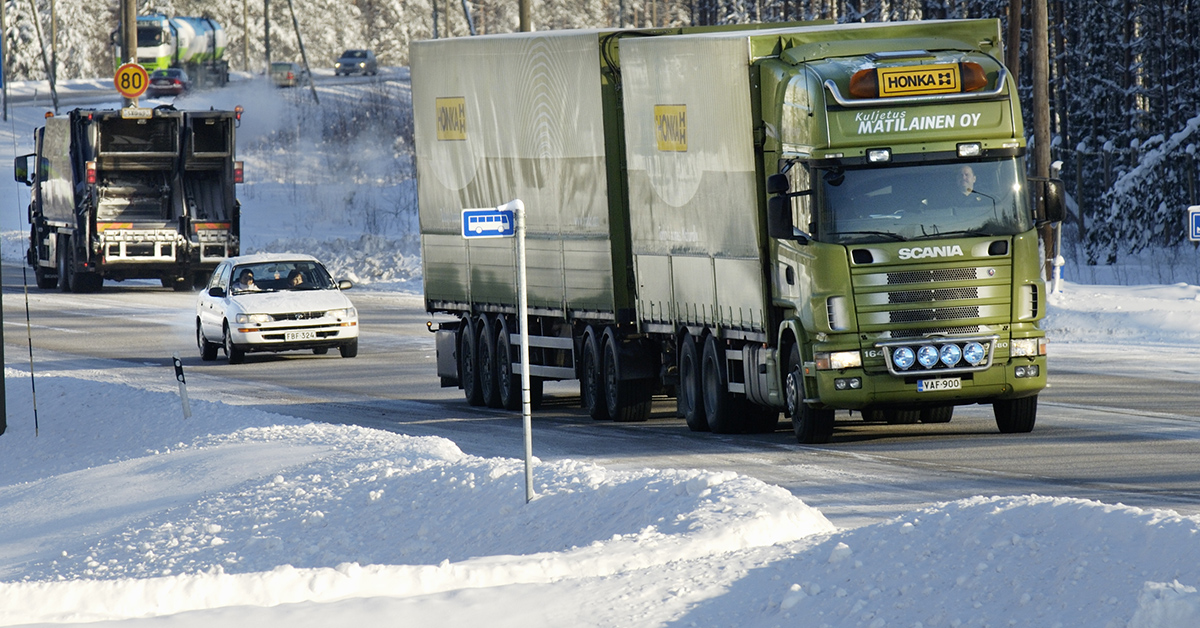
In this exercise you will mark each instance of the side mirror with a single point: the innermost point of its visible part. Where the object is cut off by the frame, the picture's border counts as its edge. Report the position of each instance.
(21, 169)
(345, 284)
(216, 292)
(777, 184)
(779, 217)
(1055, 207)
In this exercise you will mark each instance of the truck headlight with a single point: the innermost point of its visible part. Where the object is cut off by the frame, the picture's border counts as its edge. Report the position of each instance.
(1027, 347)
(837, 360)
(254, 318)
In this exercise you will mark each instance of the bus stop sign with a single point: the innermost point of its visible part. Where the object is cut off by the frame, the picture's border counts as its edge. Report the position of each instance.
(1194, 223)
(490, 222)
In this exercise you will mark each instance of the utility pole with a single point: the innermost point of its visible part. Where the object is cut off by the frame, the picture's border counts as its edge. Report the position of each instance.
(524, 9)
(245, 36)
(4, 66)
(37, 27)
(129, 38)
(1041, 116)
(1012, 55)
(267, 31)
(303, 55)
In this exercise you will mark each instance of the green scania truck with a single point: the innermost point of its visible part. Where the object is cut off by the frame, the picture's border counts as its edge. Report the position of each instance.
(755, 219)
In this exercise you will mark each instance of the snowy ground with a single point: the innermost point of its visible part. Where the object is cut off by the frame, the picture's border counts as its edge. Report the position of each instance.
(128, 514)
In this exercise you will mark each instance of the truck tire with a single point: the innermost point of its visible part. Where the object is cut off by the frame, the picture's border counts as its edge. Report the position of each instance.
(64, 281)
(896, 416)
(812, 426)
(937, 414)
(718, 402)
(468, 366)
(489, 386)
(689, 399)
(508, 384)
(591, 384)
(627, 401)
(235, 355)
(208, 350)
(1015, 416)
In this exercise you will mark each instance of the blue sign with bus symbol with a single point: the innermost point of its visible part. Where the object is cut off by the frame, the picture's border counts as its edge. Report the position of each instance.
(1194, 223)
(488, 223)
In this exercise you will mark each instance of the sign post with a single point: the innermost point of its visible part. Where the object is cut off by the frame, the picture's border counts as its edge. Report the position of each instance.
(1194, 223)
(506, 221)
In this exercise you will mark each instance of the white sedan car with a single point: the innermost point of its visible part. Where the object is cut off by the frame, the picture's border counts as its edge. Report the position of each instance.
(274, 302)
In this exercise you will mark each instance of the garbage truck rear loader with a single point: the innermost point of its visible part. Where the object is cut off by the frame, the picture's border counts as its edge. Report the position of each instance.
(818, 217)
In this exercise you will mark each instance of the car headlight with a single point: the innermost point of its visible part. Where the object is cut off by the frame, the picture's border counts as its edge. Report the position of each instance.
(348, 313)
(1027, 347)
(362, 64)
(254, 318)
(838, 360)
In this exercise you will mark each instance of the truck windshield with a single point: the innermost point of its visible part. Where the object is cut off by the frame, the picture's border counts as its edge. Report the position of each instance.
(923, 201)
(150, 36)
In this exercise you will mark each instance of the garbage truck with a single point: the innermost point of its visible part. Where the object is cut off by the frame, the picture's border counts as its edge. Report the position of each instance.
(132, 194)
(803, 219)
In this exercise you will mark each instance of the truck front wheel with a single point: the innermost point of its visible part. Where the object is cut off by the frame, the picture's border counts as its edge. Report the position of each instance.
(813, 426)
(1015, 416)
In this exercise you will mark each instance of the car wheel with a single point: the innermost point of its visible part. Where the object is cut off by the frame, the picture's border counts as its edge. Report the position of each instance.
(320, 350)
(208, 350)
(235, 355)
(350, 349)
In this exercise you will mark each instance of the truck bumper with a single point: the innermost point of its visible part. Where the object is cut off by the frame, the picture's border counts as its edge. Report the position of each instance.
(1001, 381)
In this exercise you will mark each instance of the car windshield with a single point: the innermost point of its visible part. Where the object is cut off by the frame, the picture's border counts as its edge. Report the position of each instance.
(922, 202)
(280, 276)
(354, 54)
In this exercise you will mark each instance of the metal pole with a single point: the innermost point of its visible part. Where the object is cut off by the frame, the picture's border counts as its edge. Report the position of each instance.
(245, 36)
(37, 27)
(518, 208)
(267, 31)
(129, 41)
(523, 6)
(4, 57)
(303, 55)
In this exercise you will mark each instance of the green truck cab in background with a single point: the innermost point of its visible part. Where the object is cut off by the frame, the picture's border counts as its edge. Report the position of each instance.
(797, 217)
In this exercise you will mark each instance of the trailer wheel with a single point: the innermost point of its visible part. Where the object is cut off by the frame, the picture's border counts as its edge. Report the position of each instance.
(689, 400)
(812, 426)
(508, 384)
(1015, 416)
(489, 386)
(718, 403)
(591, 386)
(628, 401)
(937, 414)
(468, 366)
(208, 350)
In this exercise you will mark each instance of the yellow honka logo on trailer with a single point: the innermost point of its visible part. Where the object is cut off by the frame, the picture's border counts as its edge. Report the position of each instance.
(451, 119)
(921, 252)
(670, 128)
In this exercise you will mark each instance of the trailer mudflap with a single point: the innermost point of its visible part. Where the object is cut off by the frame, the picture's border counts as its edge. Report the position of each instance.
(446, 341)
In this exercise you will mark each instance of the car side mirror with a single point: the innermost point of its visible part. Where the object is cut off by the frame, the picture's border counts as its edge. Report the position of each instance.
(345, 284)
(21, 169)
(216, 291)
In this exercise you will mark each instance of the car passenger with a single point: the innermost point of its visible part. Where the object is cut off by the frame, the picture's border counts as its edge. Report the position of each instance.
(295, 280)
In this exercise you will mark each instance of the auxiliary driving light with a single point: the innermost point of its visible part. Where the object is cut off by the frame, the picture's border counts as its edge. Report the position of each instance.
(973, 353)
(951, 354)
(847, 383)
(903, 358)
(927, 355)
(879, 155)
(972, 149)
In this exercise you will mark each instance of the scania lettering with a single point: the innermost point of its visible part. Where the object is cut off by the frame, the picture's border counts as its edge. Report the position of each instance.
(794, 219)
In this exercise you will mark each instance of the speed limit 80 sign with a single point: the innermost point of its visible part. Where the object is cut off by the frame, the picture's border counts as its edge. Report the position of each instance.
(131, 80)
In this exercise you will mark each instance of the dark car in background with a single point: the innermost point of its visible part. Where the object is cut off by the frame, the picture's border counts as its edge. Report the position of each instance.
(169, 82)
(356, 62)
(287, 74)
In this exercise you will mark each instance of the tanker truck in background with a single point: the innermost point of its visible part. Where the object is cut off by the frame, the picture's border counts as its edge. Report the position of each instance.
(798, 218)
(193, 44)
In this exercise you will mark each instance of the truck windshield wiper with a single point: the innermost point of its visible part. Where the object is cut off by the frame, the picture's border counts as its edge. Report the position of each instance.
(959, 232)
(886, 234)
